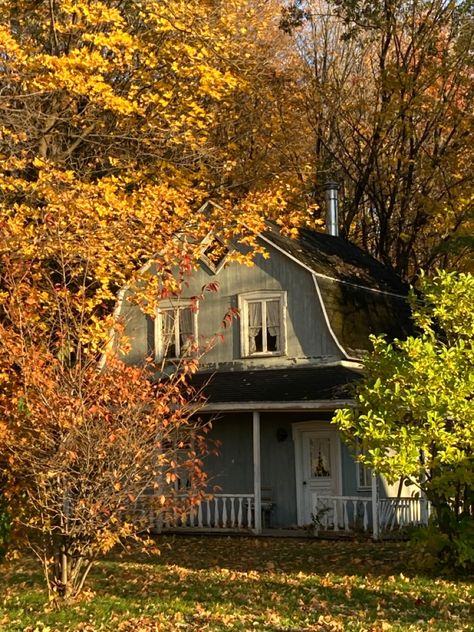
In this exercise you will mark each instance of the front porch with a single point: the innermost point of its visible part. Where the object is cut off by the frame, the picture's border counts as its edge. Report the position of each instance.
(282, 466)
(332, 515)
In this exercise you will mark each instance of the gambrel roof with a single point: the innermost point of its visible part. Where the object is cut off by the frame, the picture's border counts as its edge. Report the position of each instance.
(337, 258)
(360, 295)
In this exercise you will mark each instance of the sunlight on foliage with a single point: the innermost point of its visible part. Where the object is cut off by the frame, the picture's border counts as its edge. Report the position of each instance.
(247, 584)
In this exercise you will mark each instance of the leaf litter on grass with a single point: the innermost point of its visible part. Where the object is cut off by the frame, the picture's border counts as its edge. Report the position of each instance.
(202, 583)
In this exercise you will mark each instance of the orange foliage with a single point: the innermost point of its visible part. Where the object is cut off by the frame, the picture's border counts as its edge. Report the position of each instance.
(108, 118)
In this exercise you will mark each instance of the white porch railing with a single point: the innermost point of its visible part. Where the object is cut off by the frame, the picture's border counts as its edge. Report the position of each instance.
(355, 513)
(218, 512)
(234, 512)
(346, 513)
(396, 513)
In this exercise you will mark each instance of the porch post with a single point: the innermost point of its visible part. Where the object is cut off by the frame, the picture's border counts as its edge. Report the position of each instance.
(424, 513)
(375, 508)
(257, 473)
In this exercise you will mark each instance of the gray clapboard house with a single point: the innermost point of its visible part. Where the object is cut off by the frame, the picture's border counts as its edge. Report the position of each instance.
(289, 360)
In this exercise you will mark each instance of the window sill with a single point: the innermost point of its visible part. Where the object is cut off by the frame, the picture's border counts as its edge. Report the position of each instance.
(264, 354)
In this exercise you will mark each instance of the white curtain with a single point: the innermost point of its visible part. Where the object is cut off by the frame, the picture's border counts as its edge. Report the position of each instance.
(320, 458)
(273, 320)
(255, 326)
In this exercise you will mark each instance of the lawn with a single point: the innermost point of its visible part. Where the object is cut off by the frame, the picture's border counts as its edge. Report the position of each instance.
(209, 583)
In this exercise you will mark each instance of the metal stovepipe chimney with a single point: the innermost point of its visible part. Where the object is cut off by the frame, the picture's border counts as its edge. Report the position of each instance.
(332, 220)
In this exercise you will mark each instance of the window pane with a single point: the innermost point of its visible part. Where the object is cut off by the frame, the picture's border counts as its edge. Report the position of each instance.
(273, 326)
(216, 252)
(255, 327)
(365, 476)
(183, 473)
(365, 473)
(185, 329)
(320, 455)
(168, 333)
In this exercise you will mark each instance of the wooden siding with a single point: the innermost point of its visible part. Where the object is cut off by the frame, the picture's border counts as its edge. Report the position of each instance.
(308, 337)
(231, 471)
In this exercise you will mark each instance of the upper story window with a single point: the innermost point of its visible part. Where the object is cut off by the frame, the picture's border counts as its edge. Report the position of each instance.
(262, 323)
(215, 254)
(175, 331)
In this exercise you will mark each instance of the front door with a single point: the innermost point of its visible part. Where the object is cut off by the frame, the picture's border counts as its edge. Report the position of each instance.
(320, 468)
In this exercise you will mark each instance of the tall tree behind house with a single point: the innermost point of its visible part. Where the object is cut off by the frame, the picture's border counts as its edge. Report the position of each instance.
(388, 89)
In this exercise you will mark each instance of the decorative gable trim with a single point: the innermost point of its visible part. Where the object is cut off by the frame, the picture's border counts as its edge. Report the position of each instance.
(214, 264)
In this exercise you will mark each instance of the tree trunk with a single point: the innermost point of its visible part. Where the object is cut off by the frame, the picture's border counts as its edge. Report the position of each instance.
(67, 576)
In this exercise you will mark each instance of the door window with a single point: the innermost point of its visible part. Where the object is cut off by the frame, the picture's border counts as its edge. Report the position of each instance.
(320, 457)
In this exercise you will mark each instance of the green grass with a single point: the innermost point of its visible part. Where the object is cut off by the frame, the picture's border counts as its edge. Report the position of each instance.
(200, 583)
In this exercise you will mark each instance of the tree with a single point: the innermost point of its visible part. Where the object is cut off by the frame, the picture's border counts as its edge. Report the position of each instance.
(414, 411)
(388, 87)
(93, 459)
(84, 438)
(133, 94)
(261, 137)
(106, 115)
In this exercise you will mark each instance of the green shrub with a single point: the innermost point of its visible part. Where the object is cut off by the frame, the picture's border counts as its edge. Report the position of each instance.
(438, 550)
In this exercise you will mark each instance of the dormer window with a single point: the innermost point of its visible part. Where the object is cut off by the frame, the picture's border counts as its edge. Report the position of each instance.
(262, 323)
(175, 331)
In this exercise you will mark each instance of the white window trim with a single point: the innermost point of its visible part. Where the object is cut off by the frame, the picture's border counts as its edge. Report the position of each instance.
(215, 269)
(263, 295)
(159, 343)
(367, 472)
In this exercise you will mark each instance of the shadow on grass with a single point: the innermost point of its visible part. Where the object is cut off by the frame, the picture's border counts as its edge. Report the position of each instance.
(308, 556)
(236, 584)
(302, 600)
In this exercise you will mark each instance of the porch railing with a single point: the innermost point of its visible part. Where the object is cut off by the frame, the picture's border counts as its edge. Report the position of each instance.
(236, 512)
(355, 513)
(396, 513)
(342, 513)
(218, 512)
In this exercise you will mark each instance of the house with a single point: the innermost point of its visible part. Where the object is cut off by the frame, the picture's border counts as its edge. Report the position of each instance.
(287, 363)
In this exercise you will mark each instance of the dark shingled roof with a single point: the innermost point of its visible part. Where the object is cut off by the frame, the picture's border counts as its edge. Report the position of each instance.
(295, 384)
(361, 295)
(338, 259)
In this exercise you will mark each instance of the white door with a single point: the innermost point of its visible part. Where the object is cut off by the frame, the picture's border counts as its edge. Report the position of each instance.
(320, 468)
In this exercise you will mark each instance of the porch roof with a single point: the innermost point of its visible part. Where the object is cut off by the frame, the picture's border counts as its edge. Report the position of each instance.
(295, 385)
